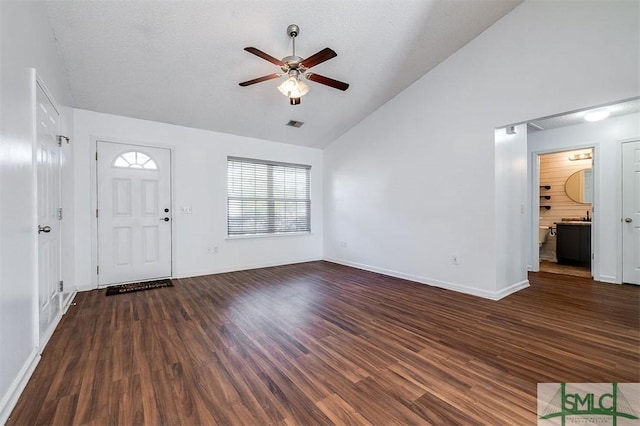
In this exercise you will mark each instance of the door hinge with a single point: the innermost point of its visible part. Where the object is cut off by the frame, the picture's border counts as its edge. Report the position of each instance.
(62, 138)
(97, 269)
(96, 212)
(59, 213)
(96, 155)
(61, 286)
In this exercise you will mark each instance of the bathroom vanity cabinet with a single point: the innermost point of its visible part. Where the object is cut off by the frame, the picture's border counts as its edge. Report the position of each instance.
(573, 243)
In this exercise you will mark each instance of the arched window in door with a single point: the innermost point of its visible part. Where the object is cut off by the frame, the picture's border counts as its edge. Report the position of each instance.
(135, 160)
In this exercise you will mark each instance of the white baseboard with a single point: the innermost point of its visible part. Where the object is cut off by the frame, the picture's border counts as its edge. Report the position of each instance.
(213, 271)
(436, 283)
(49, 332)
(10, 399)
(513, 288)
(69, 301)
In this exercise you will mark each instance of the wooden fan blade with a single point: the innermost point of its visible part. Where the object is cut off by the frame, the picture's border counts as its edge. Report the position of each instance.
(259, 79)
(265, 56)
(323, 55)
(327, 81)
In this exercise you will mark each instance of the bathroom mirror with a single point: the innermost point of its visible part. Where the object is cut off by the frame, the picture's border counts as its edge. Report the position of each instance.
(579, 186)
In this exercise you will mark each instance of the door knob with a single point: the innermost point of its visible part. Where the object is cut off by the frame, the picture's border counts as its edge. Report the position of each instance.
(628, 219)
(45, 229)
(166, 219)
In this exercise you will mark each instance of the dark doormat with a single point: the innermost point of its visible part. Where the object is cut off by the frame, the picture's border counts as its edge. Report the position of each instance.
(128, 288)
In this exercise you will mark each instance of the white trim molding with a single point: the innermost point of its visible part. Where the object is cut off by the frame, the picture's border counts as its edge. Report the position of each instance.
(491, 295)
(15, 390)
(200, 273)
(17, 387)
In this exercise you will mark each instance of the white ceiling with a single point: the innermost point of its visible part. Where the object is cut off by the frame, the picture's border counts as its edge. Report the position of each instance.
(631, 106)
(181, 62)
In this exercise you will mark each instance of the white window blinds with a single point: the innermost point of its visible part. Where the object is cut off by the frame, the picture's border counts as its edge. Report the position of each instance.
(265, 197)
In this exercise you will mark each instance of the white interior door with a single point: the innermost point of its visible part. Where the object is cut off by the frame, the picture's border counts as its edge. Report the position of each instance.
(631, 212)
(134, 213)
(49, 201)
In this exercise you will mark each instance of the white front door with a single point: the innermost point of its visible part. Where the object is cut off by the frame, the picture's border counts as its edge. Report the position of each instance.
(631, 212)
(134, 213)
(49, 201)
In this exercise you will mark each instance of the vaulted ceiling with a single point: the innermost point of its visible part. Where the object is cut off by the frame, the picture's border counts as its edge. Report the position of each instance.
(181, 62)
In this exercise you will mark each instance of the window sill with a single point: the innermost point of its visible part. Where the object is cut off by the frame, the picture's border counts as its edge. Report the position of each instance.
(278, 235)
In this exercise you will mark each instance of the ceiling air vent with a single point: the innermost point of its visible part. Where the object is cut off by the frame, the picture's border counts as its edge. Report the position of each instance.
(294, 123)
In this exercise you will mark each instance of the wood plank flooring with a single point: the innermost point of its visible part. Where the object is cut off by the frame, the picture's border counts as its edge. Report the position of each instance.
(319, 343)
(556, 268)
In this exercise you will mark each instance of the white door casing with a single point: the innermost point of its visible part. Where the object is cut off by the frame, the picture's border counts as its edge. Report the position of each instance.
(134, 213)
(48, 204)
(631, 212)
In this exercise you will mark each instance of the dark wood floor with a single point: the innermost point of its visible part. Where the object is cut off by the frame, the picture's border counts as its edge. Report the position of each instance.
(319, 343)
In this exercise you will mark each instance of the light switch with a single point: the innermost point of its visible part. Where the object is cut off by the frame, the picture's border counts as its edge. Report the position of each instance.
(185, 210)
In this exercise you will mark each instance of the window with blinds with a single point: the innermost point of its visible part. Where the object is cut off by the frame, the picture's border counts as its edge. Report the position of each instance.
(265, 197)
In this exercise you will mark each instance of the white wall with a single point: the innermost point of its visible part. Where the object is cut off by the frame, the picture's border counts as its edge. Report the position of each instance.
(27, 42)
(511, 209)
(199, 181)
(606, 137)
(415, 182)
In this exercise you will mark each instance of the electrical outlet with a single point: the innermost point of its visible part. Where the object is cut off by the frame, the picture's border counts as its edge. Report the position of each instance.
(343, 244)
(455, 259)
(212, 250)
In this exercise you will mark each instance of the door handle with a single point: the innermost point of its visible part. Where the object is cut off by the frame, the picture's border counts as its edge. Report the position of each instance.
(45, 229)
(628, 219)
(166, 219)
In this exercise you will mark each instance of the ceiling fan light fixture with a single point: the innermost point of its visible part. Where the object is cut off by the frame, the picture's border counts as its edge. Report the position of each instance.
(293, 88)
(294, 66)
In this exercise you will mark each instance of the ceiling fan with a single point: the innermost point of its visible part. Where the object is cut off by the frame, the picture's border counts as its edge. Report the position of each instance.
(294, 66)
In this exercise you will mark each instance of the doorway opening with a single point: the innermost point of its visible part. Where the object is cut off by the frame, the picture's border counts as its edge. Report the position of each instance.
(566, 197)
(602, 128)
